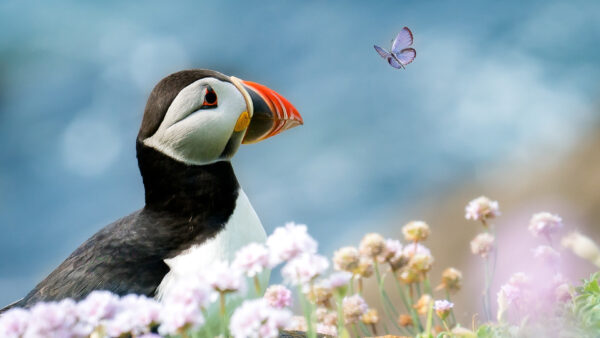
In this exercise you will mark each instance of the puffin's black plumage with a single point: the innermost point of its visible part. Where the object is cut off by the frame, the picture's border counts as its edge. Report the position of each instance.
(185, 205)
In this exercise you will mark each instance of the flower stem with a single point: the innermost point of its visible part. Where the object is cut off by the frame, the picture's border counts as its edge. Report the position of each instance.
(451, 310)
(446, 326)
(409, 306)
(223, 314)
(340, 313)
(208, 329)
(429, 319)
(257, 286)
(387, 303)
(307, 310)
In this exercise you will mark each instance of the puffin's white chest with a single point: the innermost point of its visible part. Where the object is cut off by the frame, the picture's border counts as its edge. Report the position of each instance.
(243, 227)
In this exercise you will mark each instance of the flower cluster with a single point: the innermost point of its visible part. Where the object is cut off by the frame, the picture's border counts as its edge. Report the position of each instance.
(333, 303)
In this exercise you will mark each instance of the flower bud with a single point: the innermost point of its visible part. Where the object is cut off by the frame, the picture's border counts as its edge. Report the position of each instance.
(346, 259)
(482, 244)
(481, 208)
(422, 305)
(451, 280)
(416, 231)
(442, 308)
(370, 317)
(372, 245)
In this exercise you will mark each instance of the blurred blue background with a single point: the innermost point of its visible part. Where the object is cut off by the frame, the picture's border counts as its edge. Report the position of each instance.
(492, 83)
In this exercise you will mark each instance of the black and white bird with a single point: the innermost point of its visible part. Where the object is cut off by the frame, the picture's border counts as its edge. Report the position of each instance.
(195, 211)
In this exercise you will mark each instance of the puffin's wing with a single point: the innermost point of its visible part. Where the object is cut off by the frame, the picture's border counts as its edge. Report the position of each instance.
(109, 260)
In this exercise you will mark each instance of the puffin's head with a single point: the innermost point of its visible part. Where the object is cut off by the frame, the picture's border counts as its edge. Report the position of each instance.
(201, 116)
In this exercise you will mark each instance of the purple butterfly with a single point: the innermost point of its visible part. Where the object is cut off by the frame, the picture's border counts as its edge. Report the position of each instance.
(400, 55)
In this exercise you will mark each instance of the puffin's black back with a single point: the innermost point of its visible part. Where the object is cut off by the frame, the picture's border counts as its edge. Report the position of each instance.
(185, 205)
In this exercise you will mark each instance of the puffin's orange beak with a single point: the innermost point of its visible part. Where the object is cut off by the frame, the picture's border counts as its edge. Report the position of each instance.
(272, 113)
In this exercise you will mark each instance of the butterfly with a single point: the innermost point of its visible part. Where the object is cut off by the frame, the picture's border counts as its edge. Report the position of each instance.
(400, 55)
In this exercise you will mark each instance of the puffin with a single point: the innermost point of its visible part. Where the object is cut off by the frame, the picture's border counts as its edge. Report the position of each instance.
(195, 211)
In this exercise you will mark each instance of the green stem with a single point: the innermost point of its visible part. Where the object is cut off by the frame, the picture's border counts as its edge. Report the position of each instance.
(409, 306)
(418, 286)
(429, 319)
(364, 329)
(355, 330)
(207, 327)
(307, 310)
(451, 310)
(257, 286)
(387, 303)
(427, 284)
(340, 313)
(446, 326)
(223, 314)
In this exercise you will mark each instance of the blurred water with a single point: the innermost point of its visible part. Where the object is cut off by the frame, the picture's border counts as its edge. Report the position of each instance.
(491, 82)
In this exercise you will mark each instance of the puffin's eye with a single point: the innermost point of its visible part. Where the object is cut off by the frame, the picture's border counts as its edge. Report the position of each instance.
(210, 98)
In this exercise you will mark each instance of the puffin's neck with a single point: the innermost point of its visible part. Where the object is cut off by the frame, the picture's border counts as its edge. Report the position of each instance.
(175, 187)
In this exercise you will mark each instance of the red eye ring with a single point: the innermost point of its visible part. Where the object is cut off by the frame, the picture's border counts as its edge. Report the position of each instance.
(210, 98)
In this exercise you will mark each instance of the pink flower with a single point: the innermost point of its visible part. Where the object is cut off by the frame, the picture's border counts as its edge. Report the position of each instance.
(547, 254)
(412, 249)
(255, 318)
(252, 259)
(482, 244)
(183, 305)
(52, 319)
(97, 306)
(290, 241)
(339, 279)
(442, 308)
(511, 293)
(278, 296)
(135, 315)
(544, 223)
(13, 323)
(225, 278)
(354, 307)
(481, 208)
(304, 268)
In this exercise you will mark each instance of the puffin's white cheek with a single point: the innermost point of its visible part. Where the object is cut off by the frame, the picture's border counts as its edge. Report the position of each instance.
(201, 137)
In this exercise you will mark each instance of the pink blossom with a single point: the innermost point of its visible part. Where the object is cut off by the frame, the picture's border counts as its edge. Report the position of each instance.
(97, 306)
(442, 308)
(544, 223)
(290, 241)
(183, 305)
(511, 293)
(339, 279)
(412, 249)
(135, 315)
(304, 268)
(13, 323)
(252, 259)
(255, 318)
(278, 296)
(481, 208)
(482, 244)
(547, 254)
(442, 305)
(393, 247)
(52, 319)
(225, 278)
(354, 307)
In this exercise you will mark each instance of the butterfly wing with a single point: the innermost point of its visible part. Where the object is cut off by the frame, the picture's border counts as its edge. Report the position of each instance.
(403, 40)
(394, 63)
(382, 52)
(406, 56)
